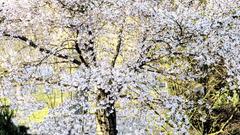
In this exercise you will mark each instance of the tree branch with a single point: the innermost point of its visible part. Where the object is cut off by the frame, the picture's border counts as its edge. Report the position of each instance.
(118, 48)
(80, 52)
(44, 50)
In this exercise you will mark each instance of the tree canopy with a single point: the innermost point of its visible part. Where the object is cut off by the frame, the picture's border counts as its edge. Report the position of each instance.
(121, 66)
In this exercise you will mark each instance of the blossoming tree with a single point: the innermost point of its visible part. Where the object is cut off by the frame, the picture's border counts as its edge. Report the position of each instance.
(116, 51)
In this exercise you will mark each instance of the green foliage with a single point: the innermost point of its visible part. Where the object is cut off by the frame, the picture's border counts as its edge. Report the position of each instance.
(216, 108)
(7, 127)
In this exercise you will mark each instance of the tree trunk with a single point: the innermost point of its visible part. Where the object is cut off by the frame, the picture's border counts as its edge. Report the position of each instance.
(106, 121)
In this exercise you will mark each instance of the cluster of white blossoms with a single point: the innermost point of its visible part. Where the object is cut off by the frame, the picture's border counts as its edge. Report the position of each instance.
(69, 118)
(128, 70)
